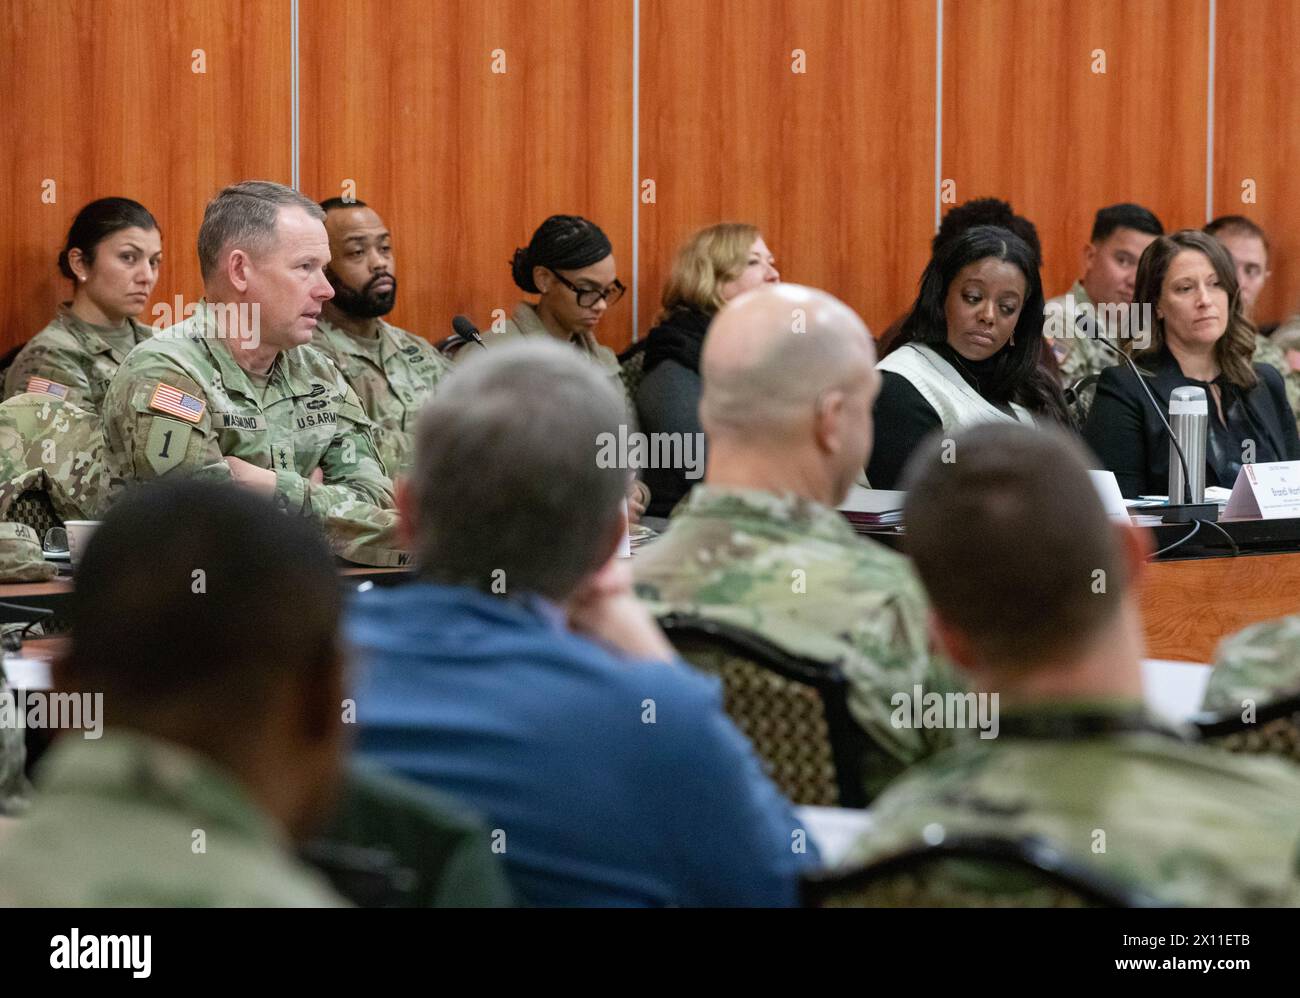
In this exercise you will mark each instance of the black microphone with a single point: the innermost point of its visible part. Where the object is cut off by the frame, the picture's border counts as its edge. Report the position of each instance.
(1192, 512)
(463, 328)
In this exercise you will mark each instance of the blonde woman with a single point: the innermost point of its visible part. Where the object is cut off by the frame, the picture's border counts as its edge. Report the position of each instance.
(714, 266)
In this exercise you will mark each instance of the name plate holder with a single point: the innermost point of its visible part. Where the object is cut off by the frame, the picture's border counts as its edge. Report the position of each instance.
(1265, 492)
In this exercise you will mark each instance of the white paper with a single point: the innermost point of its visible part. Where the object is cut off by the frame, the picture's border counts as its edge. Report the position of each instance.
(28, 673)
(835, 830)
(1268, 491)
(1174, 690)
(1111, 498)
(860, 500)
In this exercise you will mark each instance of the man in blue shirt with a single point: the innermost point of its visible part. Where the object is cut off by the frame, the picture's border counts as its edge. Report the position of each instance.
(522, 675)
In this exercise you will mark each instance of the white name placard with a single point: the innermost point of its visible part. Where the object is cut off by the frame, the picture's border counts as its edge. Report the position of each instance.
(1265, 491)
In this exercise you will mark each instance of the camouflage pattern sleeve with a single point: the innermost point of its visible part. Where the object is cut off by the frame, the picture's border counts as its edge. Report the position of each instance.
(1260, 663)
(355, 501)
(145, 438)
(62, 443)
(1268, 352)
(55, 361)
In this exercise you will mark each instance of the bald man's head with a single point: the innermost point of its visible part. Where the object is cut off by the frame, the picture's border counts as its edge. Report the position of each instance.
(789, 368)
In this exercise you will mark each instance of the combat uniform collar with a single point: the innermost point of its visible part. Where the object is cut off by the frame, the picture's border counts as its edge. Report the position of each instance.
(784, 513)
(345, 342)
(139, 769)
(92, 335)
(530, 324)
(234, 377)
(1068, 719)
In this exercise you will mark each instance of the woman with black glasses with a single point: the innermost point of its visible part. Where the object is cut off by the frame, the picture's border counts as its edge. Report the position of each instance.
(569, 264)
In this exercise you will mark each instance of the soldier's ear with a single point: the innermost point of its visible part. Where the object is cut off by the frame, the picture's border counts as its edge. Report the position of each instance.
(236, 268)
(1089, 255)
(77, 262)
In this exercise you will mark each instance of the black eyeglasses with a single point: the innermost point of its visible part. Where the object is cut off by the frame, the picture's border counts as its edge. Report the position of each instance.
(587, 297)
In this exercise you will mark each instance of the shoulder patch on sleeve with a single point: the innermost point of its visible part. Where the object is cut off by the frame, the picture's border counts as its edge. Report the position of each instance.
(174, 402)
(167, 443)
(45, 386)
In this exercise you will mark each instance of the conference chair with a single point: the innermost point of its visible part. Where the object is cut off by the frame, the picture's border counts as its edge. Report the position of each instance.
(972, 872)
(631, 367)
(793, 710)
(1078, 398)
(1275, 729)
(392, 843)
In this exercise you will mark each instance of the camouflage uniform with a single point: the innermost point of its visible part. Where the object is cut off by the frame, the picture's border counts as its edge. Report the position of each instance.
(181, 403)
(392, 375)
(1077, 352)
(1187, 824)
(1268, 352)
(76, 357)
(526, 322)
(115, 822)
(52, 445)
(1260, 663)
(794, 572)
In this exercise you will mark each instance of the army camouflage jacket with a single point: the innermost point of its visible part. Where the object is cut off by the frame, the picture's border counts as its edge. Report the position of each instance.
(1260, 663)
(51, 445)
(129, 820)
(180, 404)
(392, 375)
(1187, 824)
(794, 572)
(72, 360)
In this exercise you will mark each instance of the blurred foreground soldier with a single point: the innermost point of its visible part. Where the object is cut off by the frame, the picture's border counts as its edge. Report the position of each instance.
(760, 545)
(236, 393)
(1260, 663)
(392, 371)
(220, 687)
(522, 675)
(1041, 617)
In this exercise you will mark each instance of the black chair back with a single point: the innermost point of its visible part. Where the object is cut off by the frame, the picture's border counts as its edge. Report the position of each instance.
(973, 872)
(793, 710)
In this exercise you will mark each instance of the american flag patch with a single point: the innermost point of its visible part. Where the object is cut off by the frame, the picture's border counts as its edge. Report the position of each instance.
(177, 403)
(47, 387)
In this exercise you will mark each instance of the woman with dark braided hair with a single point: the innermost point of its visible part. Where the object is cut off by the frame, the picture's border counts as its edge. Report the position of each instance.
(569, 264)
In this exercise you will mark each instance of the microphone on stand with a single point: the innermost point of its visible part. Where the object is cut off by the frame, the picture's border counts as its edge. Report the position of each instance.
(1189, 506)
(465, 329)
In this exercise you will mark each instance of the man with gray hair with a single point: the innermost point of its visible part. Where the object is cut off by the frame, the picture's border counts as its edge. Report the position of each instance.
(235, 391)
(788, 383)
(522, 675)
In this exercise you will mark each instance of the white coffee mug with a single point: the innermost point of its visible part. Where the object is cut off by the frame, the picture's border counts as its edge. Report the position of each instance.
(79, 532)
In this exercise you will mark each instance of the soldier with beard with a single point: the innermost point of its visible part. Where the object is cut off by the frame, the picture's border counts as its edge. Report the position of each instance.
(392, 371)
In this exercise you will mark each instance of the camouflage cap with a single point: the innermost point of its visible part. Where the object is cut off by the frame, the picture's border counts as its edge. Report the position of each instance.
(21, 557)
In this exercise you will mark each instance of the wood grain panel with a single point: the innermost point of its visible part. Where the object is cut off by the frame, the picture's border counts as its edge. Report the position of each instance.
(101, 97)
(835, 165)
(461, 162)
(1257, 133)
(1025, 117)
(1188, 607)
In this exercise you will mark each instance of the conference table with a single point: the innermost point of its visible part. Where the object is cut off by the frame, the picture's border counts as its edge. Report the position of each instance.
(1206, 584)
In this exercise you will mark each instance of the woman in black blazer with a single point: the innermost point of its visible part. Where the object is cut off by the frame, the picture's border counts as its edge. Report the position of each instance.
(1188, 329)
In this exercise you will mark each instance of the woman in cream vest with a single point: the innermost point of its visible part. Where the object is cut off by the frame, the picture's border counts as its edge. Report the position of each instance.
(968, 352)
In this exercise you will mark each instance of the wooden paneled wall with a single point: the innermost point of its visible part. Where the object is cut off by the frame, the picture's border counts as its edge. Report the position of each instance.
(835, 163)
(101, 97)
